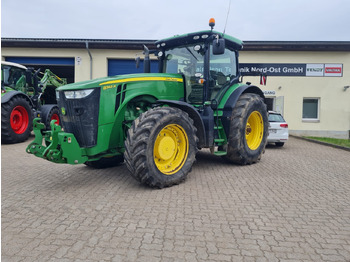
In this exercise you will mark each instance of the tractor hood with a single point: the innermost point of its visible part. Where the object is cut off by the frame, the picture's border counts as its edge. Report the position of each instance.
(107, 81)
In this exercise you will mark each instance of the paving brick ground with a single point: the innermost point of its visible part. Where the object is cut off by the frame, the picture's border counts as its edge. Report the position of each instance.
(292, 206)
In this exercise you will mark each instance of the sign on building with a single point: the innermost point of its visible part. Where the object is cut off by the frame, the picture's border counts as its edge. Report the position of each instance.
(271, 69)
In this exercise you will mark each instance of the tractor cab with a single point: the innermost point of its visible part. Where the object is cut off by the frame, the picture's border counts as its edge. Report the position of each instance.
(13, 76)
(207, 60)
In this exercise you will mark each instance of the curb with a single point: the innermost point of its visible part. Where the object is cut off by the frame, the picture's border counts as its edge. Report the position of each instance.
(321, 143)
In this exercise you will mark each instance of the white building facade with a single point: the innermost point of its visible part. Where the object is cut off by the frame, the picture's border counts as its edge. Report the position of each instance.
(308, 82)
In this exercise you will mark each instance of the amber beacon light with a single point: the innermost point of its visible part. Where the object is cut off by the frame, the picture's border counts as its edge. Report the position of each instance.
(212, 23)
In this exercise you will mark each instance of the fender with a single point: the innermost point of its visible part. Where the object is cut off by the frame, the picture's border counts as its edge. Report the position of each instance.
(194, 114)
(232, 100)
(7, 97)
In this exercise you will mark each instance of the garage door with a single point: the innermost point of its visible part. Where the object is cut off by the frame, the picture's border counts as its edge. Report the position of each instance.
(62, 67)
(121, 67)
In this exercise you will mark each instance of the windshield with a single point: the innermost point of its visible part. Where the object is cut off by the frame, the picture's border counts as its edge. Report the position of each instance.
(10, 76)
(189, 61)
(275, 118)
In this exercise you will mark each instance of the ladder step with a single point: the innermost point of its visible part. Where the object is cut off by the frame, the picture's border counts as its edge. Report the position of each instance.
(219, 140)
(217, 127)
(220, 153)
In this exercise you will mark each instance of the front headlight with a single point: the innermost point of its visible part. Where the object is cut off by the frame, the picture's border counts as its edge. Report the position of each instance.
(78, 93)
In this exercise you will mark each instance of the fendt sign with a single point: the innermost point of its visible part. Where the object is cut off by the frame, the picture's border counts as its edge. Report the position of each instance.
(320, 70)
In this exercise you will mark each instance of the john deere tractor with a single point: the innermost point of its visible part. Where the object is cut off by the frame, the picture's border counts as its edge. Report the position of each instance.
(24, 94)
(156, 122)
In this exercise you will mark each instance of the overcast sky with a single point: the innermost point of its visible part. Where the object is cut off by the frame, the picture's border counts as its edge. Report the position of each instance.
(269, 20)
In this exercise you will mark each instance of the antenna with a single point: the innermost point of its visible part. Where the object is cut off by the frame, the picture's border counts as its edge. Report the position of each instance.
(228, 12)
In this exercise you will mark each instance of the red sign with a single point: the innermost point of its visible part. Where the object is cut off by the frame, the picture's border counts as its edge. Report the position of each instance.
(333, 70)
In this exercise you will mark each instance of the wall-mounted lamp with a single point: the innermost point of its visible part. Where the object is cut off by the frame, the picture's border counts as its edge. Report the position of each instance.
(346, 87)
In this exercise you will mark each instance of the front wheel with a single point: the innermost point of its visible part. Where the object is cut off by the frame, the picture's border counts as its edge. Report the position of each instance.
(248, 130)
(161, 146)
(49, 113)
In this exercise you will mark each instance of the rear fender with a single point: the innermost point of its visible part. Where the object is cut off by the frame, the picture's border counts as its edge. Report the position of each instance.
(232, 100)
(193, 113)
(8, 96)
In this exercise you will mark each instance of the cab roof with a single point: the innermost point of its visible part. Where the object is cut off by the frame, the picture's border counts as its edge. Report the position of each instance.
(198, 37)
(13, 64)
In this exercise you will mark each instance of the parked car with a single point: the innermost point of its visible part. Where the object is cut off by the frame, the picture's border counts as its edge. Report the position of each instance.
(278, 129)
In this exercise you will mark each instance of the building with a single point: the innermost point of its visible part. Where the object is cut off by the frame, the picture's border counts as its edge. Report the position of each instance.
(308, 82)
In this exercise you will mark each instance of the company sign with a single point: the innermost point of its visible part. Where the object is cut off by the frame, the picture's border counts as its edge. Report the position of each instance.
(333, 70)
(318, 70)
(314, 69)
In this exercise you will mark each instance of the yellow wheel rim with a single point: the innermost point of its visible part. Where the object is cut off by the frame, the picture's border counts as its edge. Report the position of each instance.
(254, 130)
(170, 149)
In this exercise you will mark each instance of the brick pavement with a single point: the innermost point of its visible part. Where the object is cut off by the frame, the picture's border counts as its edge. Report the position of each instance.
(292, 206)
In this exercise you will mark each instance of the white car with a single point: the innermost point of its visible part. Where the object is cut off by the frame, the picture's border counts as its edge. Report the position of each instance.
(278, 129)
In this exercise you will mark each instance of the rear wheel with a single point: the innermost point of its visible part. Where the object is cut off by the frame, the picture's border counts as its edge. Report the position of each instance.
(16, 120)
(248, 130)
(161, 146)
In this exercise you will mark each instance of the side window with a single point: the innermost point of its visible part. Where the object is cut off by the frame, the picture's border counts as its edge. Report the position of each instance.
(311, 109)
(222, 69)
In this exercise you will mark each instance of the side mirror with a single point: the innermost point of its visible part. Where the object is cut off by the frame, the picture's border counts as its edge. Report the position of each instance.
(214, 104)
(29, 76)
(218, 46)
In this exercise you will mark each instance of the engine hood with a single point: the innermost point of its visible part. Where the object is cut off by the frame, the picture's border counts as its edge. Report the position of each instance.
(121, 79)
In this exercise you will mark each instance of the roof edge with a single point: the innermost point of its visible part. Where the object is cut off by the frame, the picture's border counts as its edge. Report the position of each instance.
(135, 44)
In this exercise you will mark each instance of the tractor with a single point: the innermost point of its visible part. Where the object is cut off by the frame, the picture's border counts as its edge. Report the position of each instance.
(157, 122)
(24, 95)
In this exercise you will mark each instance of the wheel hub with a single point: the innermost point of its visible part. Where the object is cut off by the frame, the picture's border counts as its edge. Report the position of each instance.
(170, 149)
(19, 119)
(166, 147)
(254, 130)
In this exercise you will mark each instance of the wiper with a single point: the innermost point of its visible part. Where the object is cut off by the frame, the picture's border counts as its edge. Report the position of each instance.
(191, 53)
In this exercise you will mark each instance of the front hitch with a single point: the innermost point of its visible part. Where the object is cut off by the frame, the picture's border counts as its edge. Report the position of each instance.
(59, 146)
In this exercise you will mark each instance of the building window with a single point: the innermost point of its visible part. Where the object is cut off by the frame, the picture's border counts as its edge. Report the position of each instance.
(311, 109)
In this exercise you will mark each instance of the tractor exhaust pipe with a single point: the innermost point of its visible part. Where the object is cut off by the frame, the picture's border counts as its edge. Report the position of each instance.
(146, 62)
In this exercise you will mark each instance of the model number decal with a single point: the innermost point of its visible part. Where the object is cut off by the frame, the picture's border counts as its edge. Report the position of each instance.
(109, 87)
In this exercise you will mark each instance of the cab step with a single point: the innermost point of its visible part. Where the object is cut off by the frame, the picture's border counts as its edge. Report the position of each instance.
(220, 153)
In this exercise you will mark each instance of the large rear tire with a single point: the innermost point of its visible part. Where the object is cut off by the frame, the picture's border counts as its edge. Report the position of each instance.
(16, 120)
(161, 147)
(248, 130)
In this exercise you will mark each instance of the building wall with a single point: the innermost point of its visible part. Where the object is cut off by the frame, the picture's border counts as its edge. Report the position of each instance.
(82, 59)
(334, 115)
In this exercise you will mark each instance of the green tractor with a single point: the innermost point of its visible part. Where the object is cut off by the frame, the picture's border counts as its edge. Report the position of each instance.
(24, 94)
(156, 122)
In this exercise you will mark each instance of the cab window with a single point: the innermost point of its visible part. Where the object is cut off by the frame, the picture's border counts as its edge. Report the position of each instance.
(223, 69)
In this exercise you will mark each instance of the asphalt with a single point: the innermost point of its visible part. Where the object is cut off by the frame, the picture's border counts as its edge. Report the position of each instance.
(294, 205)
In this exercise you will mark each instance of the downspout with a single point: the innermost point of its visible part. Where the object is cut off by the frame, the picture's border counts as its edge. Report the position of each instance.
(87, 48)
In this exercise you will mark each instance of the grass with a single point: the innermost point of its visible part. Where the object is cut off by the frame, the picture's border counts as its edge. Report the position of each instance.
(334, 141)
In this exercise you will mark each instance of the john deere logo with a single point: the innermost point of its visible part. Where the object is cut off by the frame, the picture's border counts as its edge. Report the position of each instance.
(63, 110)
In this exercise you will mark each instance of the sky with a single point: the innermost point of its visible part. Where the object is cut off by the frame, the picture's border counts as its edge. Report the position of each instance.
(249, 20)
